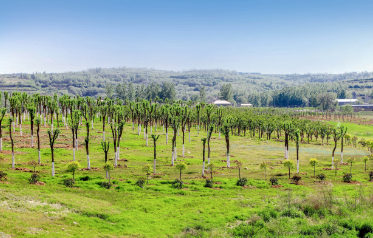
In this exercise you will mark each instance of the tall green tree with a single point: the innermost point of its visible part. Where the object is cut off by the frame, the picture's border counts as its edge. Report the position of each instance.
(226, 92)
(202, 94)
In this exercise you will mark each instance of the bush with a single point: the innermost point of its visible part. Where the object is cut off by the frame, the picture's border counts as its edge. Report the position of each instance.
(268, 213)
(85, 178)
(296, 179)
(2, 175)
(69, 182)
(209, 183)
(241, 182)
(34, 179)
(371, 176)
(106, 185)
(274, 181)
(292, 213)
(365, 229)
(321, 176)
(140, 183)
(177, 184)
(347, 178)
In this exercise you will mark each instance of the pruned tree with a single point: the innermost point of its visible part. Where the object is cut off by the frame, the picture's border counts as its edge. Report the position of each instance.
(38, 122)
(181, 167)
(2, 114)
(53, 135)
(72, 167)
(225, 130)
(313, 163)
(11, 140)
(155, 138)
(288, 164)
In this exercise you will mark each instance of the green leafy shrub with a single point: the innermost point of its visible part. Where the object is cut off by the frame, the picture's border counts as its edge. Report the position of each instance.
(292, 213)
(140, 183)
(106, 185)
(69, 182)
(267, 214)
(2, 175)
(34, 178)
(177, 183)
(347, 178)
(321, 176)
(365, 229)
(209, 183)
(85, 178)
(371, 176)
(296, 179)
(274, 181)
(241, 182)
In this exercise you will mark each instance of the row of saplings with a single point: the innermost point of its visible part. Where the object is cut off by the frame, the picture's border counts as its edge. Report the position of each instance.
(178, 183)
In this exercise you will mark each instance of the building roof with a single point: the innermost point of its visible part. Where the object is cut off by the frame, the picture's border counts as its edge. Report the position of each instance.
(346, 100)
(221, 102)
(246, 104)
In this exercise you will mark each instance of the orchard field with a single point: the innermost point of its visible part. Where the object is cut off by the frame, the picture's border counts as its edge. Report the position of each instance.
(311, 207)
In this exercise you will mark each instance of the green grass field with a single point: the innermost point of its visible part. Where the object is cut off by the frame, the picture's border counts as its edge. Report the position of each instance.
(159, 210)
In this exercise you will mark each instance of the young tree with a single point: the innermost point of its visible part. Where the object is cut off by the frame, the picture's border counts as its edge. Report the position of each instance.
(351, 161)
(72, 167)
(239, 165)
(365, 159)
(11, 140)
(209, 133)
(313, 163)
(146, 169)
(288, 164)
(155, 138)
(107, 168)
(33, 164)
(105, 147)
(336, 136)
(38, 122)
(32, 110)
(2, 114)
(211, 166)
(203, 156)
(264, 166)
(86, 140)
(181, 167)
(53, 135)
(225, 130)
(343, 133)
(297, 137)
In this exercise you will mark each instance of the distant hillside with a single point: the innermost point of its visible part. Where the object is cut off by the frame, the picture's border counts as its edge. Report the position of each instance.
(92, 82)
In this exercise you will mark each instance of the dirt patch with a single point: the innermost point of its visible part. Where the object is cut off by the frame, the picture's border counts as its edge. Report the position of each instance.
(323, 182)
(330, 169)
(122, 166)
(92, 168)
(22, 169)
(9, 152)
(276, 186)
(40, 183)
(125, 160)
(249, 187)
(355, 182)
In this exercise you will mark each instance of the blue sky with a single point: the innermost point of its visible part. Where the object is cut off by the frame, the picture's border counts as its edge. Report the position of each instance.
(277, 36)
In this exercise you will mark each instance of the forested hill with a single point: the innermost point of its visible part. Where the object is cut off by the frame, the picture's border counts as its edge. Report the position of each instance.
(93, 82)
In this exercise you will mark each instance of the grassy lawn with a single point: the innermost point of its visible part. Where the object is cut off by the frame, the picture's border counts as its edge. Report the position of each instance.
(158, 209)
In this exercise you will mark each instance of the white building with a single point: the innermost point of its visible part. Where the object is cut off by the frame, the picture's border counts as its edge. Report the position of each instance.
(346, 101)
(222, 103)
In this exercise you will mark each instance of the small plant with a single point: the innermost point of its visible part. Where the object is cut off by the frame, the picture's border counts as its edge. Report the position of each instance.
(2, 175)
(85, 178)
(106, 185)
(34, 179)
(288, 164)
(371, 176)
(313, 163)
(347, 178)
(147, 169)
(296, 179)
(181, 167)
(264, 166)
(274, 181)
(321, 176)
(107, 168)
(33, 164)
(72, 167)
(351, 161)
(366, 159)
(177, 184)
(140, 183)
(209, 183)
(241, 182)
(211, 166)
(69, 182)
(2, 157)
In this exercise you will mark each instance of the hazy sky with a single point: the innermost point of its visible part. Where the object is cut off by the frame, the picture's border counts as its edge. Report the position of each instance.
(301, 36)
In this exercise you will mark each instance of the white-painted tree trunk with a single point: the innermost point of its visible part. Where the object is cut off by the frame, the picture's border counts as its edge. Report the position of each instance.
(154, 166)
(92, 124)
(39, 157)
(219, 134)
(198, 129)
(228, 161)
(107, 174)
(108, 120)
(52, 126)
(175, 153)
(14, 126)
(76, 144)
(297, 166)
(88, 163)
(53, 169)
(74, 154)
(1, 144)
(189, 136)
(118, 153)
(183, 151)
(138, 130)
(13, 161)
(155, 126)
(45, 121)
(144, 134)
(17, 119)
(32, 141)
(342, 156)
(332, 162)
(20, 129)
(146, 139)
(172, 160)
(285, 152)
(133, 125)
(103, 136)
(203, 168)
(24, 116)
(166, 138)
(288, 154)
